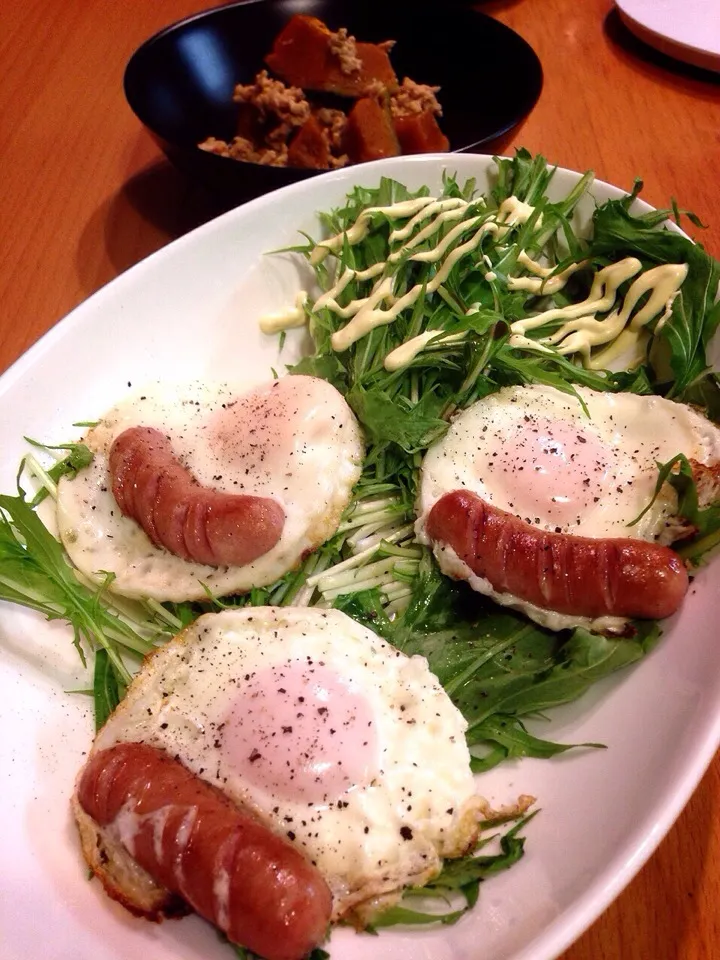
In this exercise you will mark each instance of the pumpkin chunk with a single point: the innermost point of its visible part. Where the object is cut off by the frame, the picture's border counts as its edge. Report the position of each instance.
(310, 147)
(307, 54)
(370, 134)
(420, 133)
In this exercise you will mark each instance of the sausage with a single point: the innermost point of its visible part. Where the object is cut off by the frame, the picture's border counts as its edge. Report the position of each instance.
(581, 576)
(232, 870)
(194, 522)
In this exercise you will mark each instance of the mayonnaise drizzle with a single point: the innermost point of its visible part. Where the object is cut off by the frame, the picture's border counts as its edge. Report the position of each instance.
(429, 230)
(366, 313)
(580, 332)
(512, 212)
(360, 229)
(518, 341)
(542, 282)
(600, 299)
(583, 330)
(286, 319)
(438, 252)
(328, 299)
(437, 206)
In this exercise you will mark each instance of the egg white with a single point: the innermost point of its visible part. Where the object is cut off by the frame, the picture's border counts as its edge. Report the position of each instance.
(534, 452)
(414, 800)
(294, 439)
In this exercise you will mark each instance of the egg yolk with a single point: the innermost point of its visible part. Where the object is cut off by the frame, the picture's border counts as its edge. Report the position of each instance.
(299, 731)
(553, 470)
(254, 435)
(249, 435)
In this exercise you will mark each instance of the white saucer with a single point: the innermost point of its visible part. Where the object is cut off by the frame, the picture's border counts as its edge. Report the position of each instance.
(688, 30)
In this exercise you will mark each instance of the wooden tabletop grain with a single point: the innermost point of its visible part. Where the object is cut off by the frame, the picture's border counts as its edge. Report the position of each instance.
(85, 194)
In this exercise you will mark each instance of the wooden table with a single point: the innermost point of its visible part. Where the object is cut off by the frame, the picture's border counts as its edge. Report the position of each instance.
(85, 194)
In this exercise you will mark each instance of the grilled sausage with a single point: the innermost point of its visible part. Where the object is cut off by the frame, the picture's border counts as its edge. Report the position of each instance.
(176, 512)
(573, 575)
(194, 841)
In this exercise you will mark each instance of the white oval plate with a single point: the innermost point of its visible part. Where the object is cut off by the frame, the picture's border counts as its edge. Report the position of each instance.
(687, 30)
(191, 311)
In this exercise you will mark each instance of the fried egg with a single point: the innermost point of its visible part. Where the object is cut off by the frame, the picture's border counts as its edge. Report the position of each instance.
(333, 738)
(294, 439)
(534, 452)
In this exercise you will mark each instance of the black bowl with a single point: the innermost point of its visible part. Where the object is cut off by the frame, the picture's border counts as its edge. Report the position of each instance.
(180, 82)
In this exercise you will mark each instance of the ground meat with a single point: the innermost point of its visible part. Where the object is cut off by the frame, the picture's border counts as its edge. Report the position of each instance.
(274, 148)
(334, 121)
(277, 138)
(414, 98)
(241, 149)
(272, 98)
(213, 145)
(279, 109)
(376, 89)
(345, 49)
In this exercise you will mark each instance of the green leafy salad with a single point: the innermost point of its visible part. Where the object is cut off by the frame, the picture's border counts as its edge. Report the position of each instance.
(513, 299)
